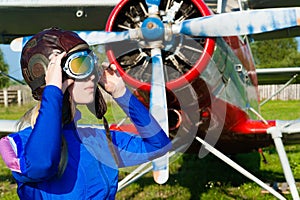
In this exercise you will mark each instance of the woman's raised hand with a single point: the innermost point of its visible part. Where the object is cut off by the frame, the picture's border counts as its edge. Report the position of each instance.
(111, 81)
(54, 72)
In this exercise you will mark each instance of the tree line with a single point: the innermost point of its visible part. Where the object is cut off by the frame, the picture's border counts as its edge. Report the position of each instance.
(4, 80)
(276, 53)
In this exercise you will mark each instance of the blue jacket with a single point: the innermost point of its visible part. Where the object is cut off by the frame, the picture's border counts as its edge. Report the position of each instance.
(91, 173)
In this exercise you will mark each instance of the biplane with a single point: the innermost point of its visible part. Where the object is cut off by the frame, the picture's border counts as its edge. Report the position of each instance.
(189, 61)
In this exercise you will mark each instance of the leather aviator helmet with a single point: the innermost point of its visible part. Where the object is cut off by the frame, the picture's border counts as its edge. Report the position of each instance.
(35, 60)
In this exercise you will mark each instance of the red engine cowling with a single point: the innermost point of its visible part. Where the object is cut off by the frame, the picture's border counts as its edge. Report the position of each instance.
(184, 57)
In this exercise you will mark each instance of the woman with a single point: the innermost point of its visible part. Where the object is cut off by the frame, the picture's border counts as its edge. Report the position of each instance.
(55, 159)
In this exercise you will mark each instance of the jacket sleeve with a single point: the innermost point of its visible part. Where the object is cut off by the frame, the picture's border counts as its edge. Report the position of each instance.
(39, 152)
(150, 143)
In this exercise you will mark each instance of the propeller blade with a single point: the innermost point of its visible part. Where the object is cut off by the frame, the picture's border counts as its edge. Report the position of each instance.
(153, 6)
(159, 110)
(18, 43)
(91, 37)
(102, 37)
(240, 23)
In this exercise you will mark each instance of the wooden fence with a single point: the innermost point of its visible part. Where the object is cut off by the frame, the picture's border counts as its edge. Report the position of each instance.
(15, 95)
(10, 97)
(22, 95)
(292, 92)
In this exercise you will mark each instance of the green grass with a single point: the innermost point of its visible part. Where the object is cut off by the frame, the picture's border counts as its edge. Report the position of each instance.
(114, 114)
(284, 110)
(194, 178)
(14, 112)
(209, 178)
(7, 184)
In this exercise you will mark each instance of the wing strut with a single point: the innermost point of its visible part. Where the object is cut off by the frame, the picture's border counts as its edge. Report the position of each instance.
(276, 133)
(280, 89)
(145, 168)
(238, 168)
(288, 127)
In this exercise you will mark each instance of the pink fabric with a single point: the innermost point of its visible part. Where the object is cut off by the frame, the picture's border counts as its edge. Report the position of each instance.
(8, 155)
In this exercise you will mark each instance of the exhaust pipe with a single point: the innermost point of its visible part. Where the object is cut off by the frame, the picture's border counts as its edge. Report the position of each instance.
(175, 119)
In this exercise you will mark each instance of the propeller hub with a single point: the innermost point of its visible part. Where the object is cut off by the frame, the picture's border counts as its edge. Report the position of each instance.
(153, 29)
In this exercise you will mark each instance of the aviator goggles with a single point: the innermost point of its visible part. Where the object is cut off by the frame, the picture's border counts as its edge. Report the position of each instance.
(80, 64)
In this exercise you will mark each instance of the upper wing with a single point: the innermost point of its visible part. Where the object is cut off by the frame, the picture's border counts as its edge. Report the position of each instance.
(278, 75)
(25, 17)
(259, 4)
(284, 33)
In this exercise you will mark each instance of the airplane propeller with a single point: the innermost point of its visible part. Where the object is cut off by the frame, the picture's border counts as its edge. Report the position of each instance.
(153, 6)
(91, 37)
(240, 23)
(154, 31)
(159, 110)
(103, 37)
(224, 24)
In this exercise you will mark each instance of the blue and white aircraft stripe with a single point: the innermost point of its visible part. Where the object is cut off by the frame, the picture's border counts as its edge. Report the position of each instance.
(240, 23)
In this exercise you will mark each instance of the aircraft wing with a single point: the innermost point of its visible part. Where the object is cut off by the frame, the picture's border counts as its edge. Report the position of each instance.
(261, 4)
(26, 17)
(285, 33)
(7, 126)
(10, 126)
(278, 75)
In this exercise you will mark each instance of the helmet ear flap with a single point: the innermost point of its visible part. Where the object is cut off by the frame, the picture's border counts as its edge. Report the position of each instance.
(98, 107)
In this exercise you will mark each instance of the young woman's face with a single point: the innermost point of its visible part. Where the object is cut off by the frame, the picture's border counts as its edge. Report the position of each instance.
(83, 91)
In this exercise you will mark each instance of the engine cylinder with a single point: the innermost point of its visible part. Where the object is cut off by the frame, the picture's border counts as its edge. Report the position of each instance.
(184, 57)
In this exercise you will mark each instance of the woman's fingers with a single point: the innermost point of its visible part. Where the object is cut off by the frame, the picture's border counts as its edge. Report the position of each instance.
(54, 71)
(113, 67)
(111, 80)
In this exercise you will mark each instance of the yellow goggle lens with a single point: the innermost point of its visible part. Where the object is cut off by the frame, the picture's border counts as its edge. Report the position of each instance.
(80, 65)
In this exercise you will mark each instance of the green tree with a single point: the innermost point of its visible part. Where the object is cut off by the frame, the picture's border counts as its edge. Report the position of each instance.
(4, 81)
(276, 53)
